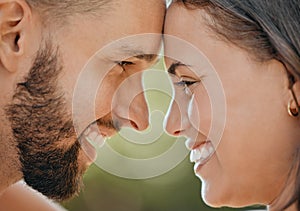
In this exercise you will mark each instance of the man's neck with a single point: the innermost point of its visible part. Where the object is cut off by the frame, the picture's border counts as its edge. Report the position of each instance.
(10, 167)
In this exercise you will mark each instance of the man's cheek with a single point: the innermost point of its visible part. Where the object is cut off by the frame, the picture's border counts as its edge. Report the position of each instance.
(103, 103)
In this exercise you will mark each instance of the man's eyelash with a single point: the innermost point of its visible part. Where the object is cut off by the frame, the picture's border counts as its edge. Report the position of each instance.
(124, 63)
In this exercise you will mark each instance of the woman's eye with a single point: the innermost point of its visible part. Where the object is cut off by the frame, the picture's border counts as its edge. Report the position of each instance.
(185, 83)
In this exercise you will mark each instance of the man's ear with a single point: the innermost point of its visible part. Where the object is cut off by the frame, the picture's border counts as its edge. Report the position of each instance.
(13, 17)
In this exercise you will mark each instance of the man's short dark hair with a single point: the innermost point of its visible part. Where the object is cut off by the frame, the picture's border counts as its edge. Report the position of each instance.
(58, 11)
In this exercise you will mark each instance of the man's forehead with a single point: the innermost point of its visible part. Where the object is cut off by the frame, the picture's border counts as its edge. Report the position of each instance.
(139, 48)
(136, 51)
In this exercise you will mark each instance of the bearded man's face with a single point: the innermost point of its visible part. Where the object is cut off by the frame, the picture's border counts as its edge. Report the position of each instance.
(38, 99)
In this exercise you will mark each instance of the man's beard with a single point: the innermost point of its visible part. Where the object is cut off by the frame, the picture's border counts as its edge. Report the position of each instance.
(41, 125)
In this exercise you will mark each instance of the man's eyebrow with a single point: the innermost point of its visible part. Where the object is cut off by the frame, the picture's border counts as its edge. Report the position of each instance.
(129, 51)
(146, 57)
(172, 68)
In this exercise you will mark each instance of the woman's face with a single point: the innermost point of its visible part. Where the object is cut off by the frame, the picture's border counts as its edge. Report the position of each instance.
(251, 161)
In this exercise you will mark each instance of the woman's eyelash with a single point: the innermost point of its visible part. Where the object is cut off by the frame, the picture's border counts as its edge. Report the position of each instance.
(185, 83)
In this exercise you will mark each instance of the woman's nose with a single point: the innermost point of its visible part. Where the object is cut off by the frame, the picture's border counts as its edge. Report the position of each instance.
(176, 120)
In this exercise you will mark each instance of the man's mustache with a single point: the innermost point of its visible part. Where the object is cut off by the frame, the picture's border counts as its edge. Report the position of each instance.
(109, 124)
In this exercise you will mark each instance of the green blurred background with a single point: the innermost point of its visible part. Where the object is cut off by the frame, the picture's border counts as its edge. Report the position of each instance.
(175, 190)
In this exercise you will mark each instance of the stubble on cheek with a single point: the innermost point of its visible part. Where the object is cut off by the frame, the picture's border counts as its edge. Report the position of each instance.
(41, 126)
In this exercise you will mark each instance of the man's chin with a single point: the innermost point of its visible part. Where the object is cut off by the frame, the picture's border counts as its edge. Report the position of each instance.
(58, 191)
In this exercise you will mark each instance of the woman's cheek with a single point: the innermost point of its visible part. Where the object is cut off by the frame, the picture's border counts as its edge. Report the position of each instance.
(193, 113)
(199, 111)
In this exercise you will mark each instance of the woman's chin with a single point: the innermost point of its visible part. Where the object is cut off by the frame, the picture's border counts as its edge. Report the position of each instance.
(212, 199)
(211, 196)
(218, 197)
(217, 202)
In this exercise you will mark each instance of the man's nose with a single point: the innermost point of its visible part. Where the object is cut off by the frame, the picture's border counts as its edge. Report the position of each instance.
(129, 105)
(138, 113)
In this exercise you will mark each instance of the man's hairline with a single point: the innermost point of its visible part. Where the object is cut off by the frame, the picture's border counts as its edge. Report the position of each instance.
(60, 19)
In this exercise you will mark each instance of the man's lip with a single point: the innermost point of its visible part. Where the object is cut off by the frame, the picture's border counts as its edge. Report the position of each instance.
(107, 132)
(103, 134)
(89, 150)
(93, 137)
(100, 129)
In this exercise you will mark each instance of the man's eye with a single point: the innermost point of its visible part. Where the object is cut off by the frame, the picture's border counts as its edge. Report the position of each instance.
(124, 63)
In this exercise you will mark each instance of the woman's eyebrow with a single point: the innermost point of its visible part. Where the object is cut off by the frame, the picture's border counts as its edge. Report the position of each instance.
(172, 68)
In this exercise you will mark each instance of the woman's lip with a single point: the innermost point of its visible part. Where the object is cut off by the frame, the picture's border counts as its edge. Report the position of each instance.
(198, 166)
(191, 145)
(202, 154)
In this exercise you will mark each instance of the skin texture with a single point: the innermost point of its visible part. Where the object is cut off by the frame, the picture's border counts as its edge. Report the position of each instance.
(256, 153)
(39, 68)
(27, 199)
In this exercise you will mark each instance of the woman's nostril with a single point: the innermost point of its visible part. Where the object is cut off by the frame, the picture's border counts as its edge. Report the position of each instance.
(176, 133)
